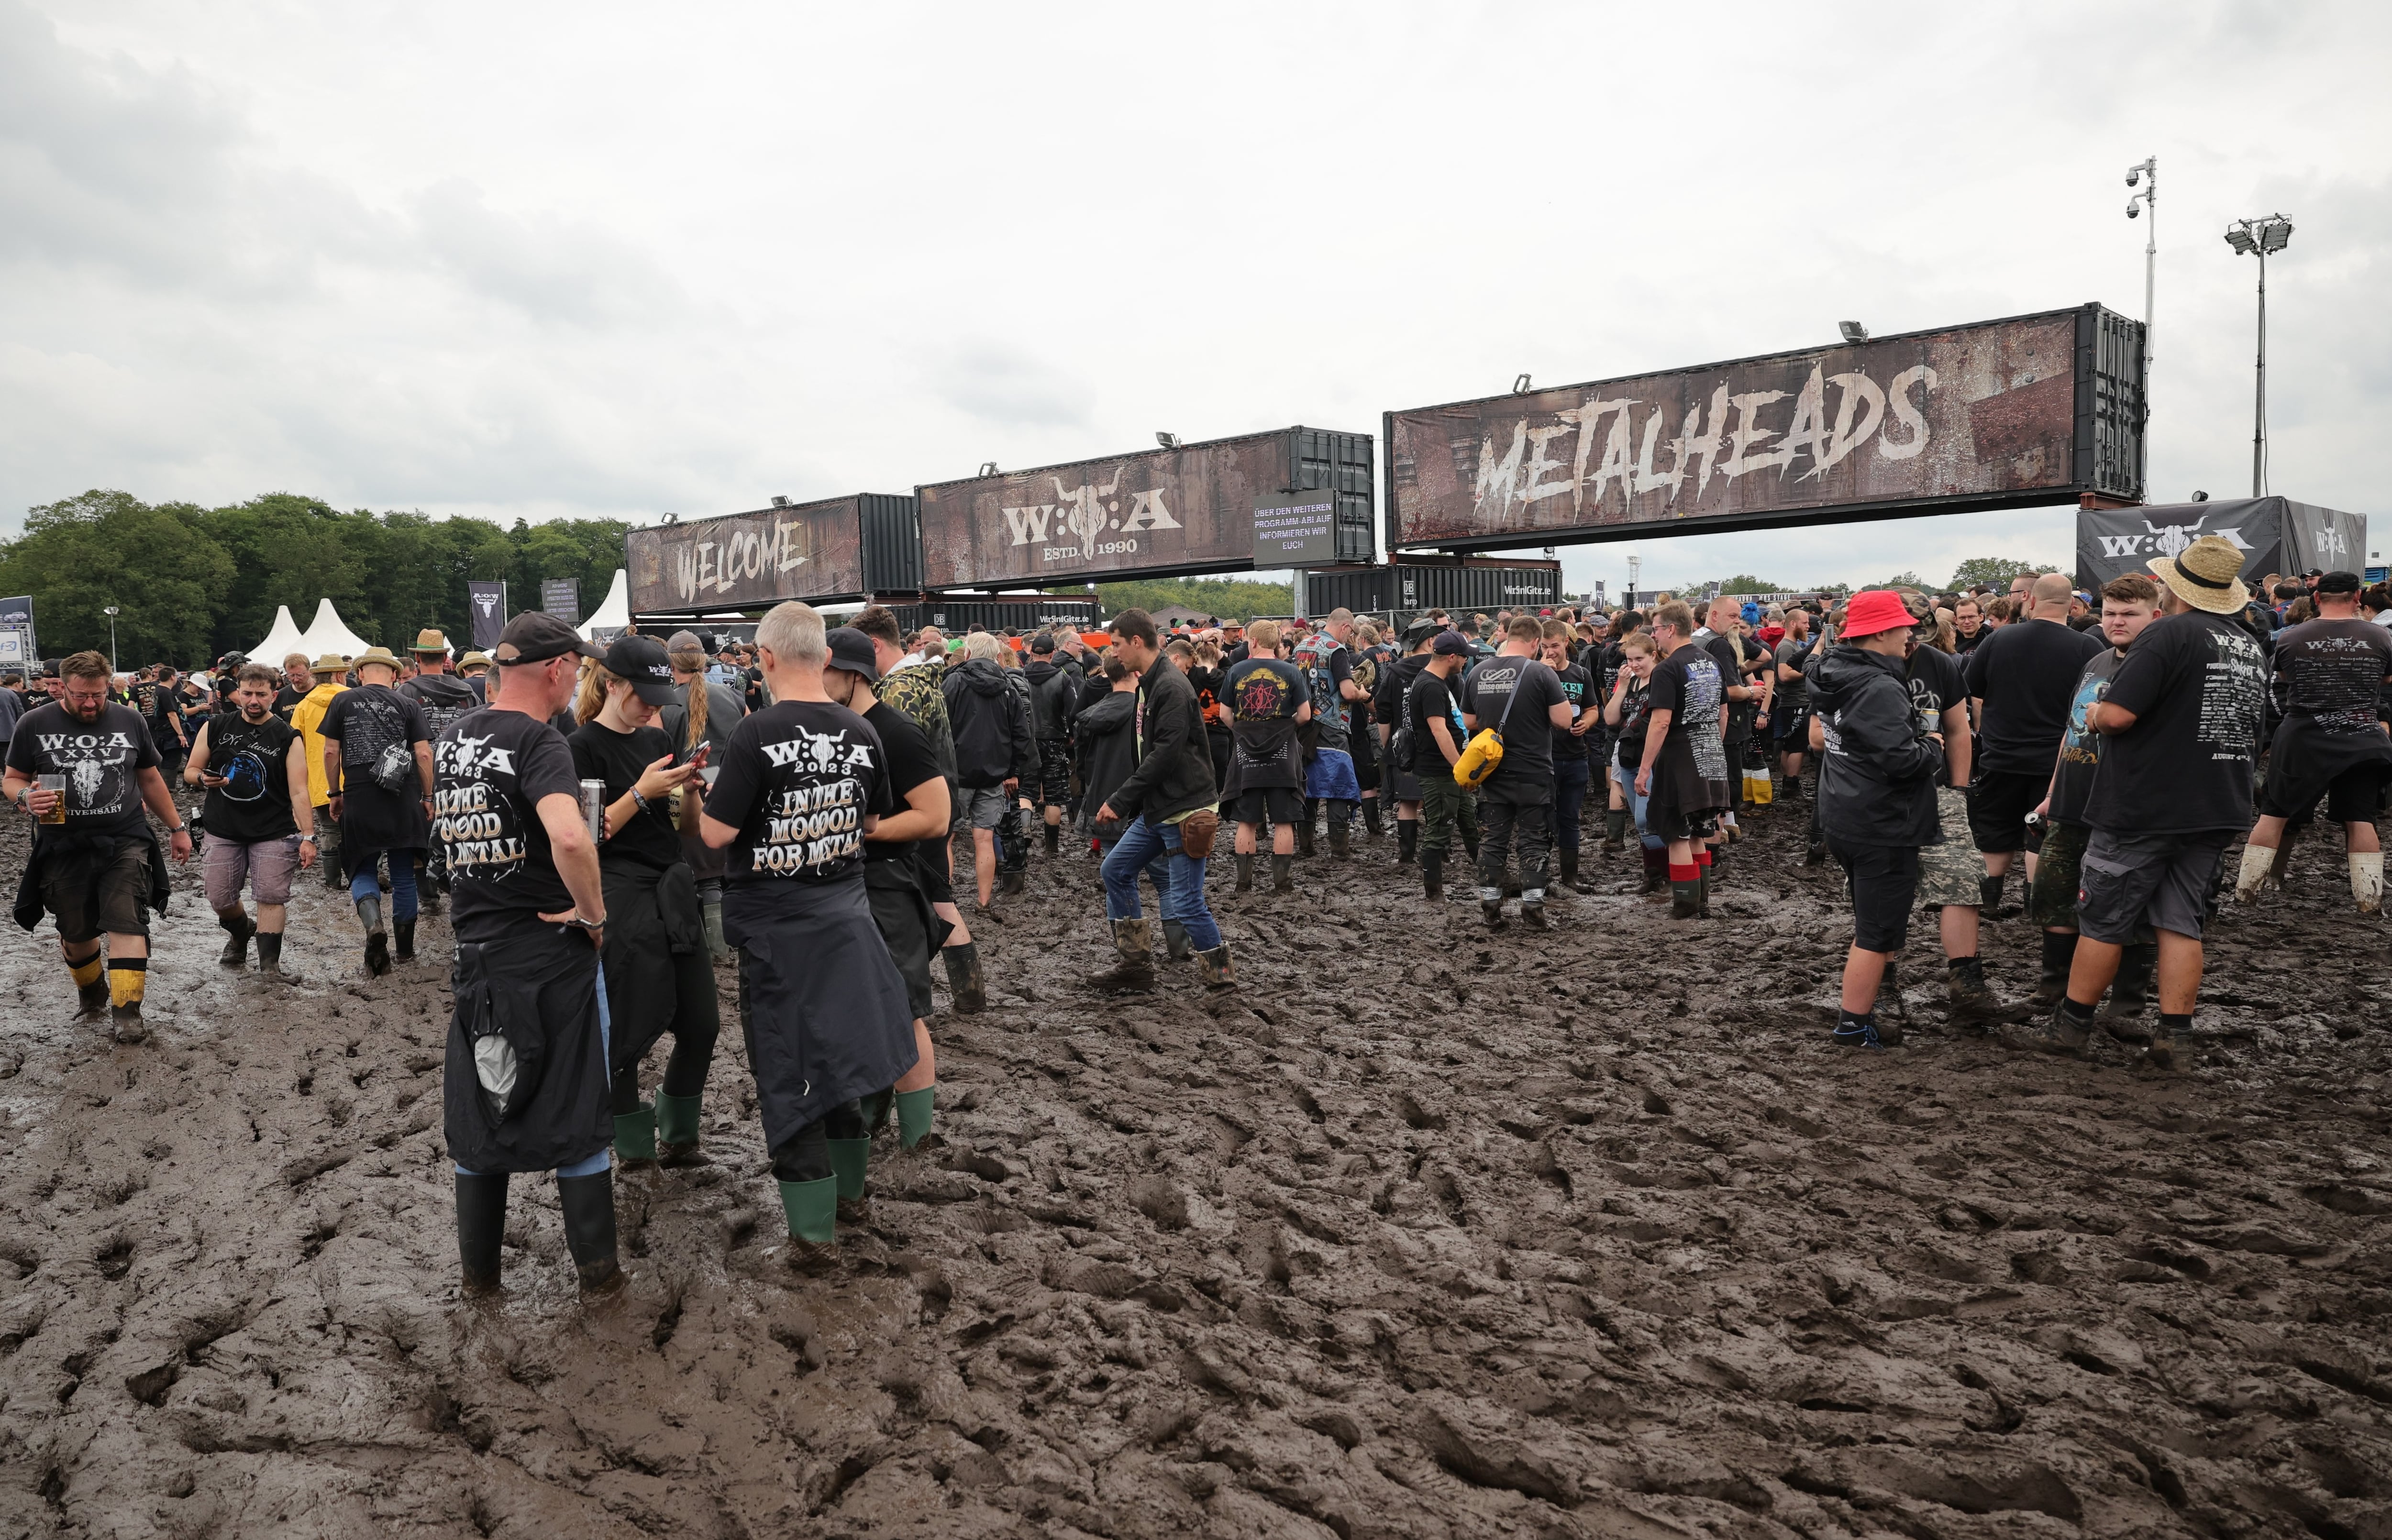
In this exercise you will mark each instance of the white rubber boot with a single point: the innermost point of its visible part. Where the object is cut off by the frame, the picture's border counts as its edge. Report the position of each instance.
(2367, 880)
(2257, 862)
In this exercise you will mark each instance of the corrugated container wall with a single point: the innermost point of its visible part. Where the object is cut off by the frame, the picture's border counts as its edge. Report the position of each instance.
(1341, 461)
(892, 543)
(2109, 404)
(1405, 585)
(955, 616)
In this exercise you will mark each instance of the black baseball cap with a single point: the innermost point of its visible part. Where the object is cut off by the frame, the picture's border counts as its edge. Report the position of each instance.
(640, 660)
(2340, 582)
(536, 636)
(1043, 643)
(852, 650)
(1451, 644)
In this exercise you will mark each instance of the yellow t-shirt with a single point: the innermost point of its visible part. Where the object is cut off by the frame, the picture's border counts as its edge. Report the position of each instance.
(308, 716)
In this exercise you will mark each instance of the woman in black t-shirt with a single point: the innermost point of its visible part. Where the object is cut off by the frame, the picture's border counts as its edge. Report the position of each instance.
(1628, 713)
(659, 973)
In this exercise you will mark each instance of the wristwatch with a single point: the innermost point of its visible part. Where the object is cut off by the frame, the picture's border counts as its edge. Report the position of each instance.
(580, 924)
(306, 839)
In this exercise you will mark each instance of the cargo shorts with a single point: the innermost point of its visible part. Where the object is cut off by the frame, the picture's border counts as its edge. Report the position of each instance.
(1948, 873)
(2169, 881)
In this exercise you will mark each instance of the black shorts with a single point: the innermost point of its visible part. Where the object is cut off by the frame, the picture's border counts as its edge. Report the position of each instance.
(1794, 730)
(1285, 804)
(92, 894)
(2354, 796)
(931, 871)
(1884, 881)
(1998, 803)
(1054, 785)
(899, 915)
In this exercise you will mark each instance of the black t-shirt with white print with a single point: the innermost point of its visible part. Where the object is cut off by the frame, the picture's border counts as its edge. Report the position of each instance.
(799, 779)
(490, 771)
(2197, 684)
(101, 760)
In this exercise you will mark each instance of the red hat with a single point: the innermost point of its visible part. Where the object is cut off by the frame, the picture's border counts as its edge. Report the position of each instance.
(1877, 609)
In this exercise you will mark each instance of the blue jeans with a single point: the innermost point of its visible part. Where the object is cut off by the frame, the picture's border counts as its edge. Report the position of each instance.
(1636, 801)
(402, 885)
(1182, 892)
(1569, 795)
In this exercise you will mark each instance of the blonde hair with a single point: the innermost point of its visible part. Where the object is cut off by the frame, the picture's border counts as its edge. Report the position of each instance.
(1639, 641)
(590, 698)
(1262, 637)
(692, 660)
(794, 632)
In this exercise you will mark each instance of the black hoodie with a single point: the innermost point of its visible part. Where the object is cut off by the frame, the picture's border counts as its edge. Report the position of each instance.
(1877, 778)
(1107, 750)
(991, 724)
(1053, 701)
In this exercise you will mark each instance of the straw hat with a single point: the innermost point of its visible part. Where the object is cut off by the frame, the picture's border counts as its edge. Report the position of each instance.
(331, 663)
(375, 654)
(2206, 575)
(475, 660)
(429, 640)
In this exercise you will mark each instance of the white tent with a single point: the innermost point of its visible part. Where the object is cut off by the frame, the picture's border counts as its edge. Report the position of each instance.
(281, 642)
(614, 612)
(328, 633)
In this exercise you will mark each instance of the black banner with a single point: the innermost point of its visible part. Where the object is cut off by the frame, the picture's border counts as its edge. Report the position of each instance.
(2274, 535)
(490, 606)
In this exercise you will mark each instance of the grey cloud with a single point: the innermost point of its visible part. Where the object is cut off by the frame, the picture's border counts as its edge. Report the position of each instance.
(550, 269)
(1010, 388)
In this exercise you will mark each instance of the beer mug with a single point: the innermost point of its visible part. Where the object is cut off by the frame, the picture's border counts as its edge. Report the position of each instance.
(57, 786)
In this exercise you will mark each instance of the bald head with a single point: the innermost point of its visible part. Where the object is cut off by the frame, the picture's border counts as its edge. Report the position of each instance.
(2050, 596)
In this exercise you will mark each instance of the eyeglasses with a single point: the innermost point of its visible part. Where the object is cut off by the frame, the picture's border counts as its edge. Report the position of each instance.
(74, 694)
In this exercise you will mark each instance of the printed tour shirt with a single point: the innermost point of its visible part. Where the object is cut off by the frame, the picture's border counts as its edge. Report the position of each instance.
(490, 771)
(101, 760)
(799, 779)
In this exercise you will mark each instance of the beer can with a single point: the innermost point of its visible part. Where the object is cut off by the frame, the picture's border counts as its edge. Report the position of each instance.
(593, 808)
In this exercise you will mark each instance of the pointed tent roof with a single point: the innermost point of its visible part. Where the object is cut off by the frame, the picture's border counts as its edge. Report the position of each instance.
(329, 633)
(614, 612)
(285, 639)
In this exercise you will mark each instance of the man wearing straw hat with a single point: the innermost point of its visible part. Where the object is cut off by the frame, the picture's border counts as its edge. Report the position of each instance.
(2182, 719)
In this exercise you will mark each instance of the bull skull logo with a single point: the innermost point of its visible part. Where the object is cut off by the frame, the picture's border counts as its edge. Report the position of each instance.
(86, 776)
(1083, 509)
(2172, 539)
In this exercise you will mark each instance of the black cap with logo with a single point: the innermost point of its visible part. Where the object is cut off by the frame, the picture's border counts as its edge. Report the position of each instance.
(640, 660)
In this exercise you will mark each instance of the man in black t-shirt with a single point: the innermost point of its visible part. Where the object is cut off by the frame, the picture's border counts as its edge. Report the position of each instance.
(2182, 719)
(378, 766)
(803, 784)
(2021, 683)
(891, 883)
(94, 860)
(261, 828)
(1399, 782)
(2331, 744)
(443, 697)
(525, 1087)
(1522, 702)
(1268, 698)
(1572, 769)
(1684, 776)
(1436, 738)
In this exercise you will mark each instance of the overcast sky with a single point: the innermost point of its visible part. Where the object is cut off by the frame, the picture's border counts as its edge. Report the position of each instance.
(599, 259)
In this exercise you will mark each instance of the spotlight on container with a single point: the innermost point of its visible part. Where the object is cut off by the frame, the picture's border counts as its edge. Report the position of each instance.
(1853, 331)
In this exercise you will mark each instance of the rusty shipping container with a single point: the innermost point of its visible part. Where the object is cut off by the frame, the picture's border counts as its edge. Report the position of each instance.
(1151, 513)
(1459, 586)
(2000, 414)
(839, 547)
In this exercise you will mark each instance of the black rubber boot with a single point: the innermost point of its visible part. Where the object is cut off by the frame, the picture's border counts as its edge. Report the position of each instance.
(238, 929)
(1532, 914)
(1303, 838)
(1492, 910)
(589, 1203)
(1370, 817)
(1282, 873)
(965, 982)
(2130, 991)
(1657, 868)
(1407, 840)
(2051, 982)
(481, 1225)
(1614, 831)
(1175, 941)
(377, 939)
(1989, 899)
(91, 1000)
(1569, 870)
(1133, 969)
(403, 932)
(1341, 838)
(1054, 839)
(1245, 863)
(269, 958)
(1432, 865)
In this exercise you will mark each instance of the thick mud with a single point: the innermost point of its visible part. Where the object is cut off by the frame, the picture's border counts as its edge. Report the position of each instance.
(1422, 1231)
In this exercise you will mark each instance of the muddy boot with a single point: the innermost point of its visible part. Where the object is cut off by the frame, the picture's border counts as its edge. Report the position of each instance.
(813, 1212)
(91, 987)
(1175, 941)
(1972, 1001)
(403, 931)
(2130, 991)
(269, 958)
(1614, 831)
(2058, 952)
(1407, 841)
(1703, 886)
(913, 1109)
(1533, 914)
(2366, 881)
(849, 1159)
(965, 982)
(1054, 839)
(1490, 906)
(481, 1227)
(125, 1024)
(1657, 868)
(1370, 817)
(589, 1205)
(635, 1138)
(1814, 853)
(1245, 873)
(1686, 890)
(1890, 1012)
(1012, 882)
(1282, 873)
(677, 1141)
(1432, 865)
(238, 927)
(1341, 838)
(377, 940)
(1219, 973)
(2168, 1052)
(2284, 863)
(1133, 970)
(1856, 1031)
(1304, 839)
(2066, 1030)
(428, 893)
(717, 945)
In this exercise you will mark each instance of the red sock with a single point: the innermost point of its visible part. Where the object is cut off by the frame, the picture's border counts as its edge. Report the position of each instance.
(1683, 873)
(1702, 858)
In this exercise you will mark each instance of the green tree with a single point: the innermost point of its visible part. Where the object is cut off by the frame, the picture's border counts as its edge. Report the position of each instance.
(1230, 598)
(288, 548)
(159, 566)
(1998, 571)
(585, 551)
(1744, 583)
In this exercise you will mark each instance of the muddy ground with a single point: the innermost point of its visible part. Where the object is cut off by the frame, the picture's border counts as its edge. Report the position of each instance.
(1422, 1232)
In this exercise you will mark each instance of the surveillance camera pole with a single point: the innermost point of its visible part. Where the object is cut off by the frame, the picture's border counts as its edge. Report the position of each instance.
(2150, 201)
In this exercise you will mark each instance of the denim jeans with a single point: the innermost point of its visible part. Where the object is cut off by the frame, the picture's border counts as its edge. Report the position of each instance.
(402, 885)
(1636, 801)
(1183, 899)
(1570, 778)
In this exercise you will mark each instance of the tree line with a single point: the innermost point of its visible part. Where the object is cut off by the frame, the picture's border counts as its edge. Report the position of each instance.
(191, 582)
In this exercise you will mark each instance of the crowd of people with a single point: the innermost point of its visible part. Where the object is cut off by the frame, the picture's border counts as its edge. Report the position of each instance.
(605, 824)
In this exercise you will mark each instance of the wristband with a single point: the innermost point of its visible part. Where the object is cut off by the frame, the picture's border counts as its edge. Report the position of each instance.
(640, 802)
(580, 924)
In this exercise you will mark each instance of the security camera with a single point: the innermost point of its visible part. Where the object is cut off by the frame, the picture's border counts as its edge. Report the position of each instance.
(2134, 209)
(2133, 176)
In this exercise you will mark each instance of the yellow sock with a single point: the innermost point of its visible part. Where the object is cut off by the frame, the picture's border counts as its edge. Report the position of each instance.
(125, 978)
(88, 972)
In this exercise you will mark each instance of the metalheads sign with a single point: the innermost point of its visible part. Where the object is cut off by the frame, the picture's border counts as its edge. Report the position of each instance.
(1976, 416)
(1190, 509)
(815, 551)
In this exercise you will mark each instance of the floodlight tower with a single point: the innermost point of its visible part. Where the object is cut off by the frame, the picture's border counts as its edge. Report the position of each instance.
(2262, 239)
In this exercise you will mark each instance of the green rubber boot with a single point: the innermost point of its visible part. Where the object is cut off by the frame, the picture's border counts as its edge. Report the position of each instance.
(848, 1159)
(812, 1209)
(677, 1131)
(635, 1137)
(914, 1114)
